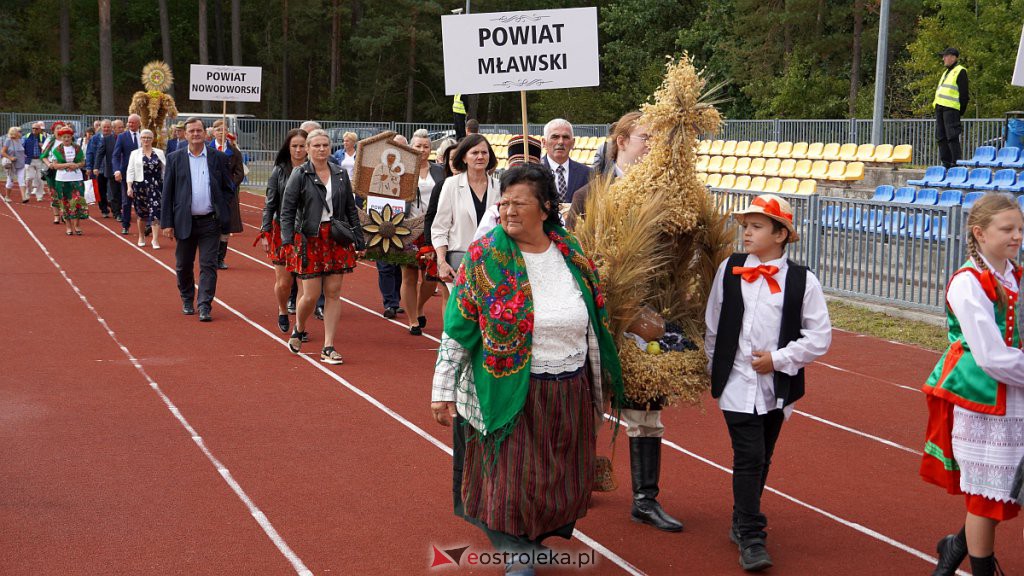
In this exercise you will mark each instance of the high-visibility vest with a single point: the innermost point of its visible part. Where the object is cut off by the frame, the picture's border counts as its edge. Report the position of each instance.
(947, 93)
(457, 106)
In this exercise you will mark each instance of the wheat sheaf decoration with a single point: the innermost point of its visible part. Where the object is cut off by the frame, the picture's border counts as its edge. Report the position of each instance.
(657, 240)
(152, 105)
(157, 76)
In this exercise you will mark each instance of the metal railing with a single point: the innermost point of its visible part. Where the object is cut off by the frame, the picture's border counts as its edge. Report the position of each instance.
(876, 251)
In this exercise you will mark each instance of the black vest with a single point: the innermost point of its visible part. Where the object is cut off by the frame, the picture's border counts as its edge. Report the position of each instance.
(787, 388)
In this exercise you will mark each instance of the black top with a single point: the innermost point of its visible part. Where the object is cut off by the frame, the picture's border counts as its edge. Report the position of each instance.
(479, 203)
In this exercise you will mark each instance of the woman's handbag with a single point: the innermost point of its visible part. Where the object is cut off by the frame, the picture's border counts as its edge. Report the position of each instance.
(454, 258)
(342, 233)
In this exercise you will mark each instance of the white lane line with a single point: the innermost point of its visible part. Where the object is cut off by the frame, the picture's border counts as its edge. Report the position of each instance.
(256, 513)
(889, 443)
(600, 549)
(882, 380)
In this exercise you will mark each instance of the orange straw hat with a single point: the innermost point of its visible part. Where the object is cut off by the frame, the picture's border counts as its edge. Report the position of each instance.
(774, 207)
(65, 130)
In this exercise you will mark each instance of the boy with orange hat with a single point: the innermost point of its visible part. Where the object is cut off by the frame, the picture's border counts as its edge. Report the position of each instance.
(766, 319)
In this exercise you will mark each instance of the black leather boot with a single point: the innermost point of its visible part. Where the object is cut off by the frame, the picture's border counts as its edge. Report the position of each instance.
(986, 566)
(645, 469)
(952, 550)
(221, 254)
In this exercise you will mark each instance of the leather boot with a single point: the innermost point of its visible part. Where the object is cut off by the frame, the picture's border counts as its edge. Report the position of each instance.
(645, 469)
(952, 550)
(986, 566)
(221, 254)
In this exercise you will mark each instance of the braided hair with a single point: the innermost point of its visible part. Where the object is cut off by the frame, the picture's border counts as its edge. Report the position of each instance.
(981, 215)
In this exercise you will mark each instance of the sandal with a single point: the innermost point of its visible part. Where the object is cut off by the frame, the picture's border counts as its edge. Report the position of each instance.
(78, 232)
(330, 356)
(68, 232)
(296, 340)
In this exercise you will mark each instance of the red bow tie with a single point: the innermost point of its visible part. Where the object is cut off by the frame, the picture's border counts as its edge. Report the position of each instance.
(751, 274)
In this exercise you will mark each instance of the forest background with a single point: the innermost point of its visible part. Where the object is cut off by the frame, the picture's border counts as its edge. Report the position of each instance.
(381, 60)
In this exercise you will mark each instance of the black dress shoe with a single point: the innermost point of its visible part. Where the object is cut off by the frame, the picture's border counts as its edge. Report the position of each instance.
(106, 215)
(415, 331)
(282, 323)
(319, 312)
(390, 312)
(648, 511)
(204, 314)
(291, 307)
(124, 231)
(187, 309)
(400, 310)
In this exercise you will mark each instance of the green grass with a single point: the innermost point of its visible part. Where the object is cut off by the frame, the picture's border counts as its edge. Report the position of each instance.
(862, 321)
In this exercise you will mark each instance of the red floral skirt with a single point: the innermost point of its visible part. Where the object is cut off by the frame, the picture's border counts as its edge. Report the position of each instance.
(274, 248)
(316, 256)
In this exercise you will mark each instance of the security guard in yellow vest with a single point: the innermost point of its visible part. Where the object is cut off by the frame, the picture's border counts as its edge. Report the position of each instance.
(951, 99)
(459, 114)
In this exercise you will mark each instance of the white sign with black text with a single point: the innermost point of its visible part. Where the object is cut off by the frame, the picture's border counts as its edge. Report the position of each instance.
(1018, 70)
(513, 51)
(229, 83)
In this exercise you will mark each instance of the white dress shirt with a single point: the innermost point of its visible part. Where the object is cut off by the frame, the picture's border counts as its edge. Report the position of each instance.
(747, 391)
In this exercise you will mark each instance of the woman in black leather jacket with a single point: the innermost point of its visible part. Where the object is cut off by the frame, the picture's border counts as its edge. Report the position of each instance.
(316, 192)
(291, 155)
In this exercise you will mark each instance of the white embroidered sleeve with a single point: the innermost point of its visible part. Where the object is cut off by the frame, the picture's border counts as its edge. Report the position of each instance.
(973, 309)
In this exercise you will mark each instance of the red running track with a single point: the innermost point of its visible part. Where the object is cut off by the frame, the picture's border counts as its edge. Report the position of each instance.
(138, 441)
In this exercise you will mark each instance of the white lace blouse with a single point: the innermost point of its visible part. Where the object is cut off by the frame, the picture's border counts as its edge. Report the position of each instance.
(560, 317)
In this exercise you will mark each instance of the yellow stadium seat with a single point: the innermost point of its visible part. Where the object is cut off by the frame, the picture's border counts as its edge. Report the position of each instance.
(803, 168)
(756, 166)
(853, 171)
(742, 182)
(702, 163)
(704, 147)
(702, 176)
(757, 184)
(728, 181)
(865, 153)
(713, 180)
(715, 164)
(799, 151)
(788, 168)
(848, 152)
(591, 157)
(575, 155)
(729, 148)
(883, 153)
(773, 186)
(819, 170)
(815, 151)
(836, 170)
(755, 149)
(742, 165)
(785, 150)
(728, 165)
(790, 186)
(769, 149)
(742, 148)
(831, 151)
(808, 187)
(771, 167)
(902, 154)
(594, 142)
(716, 147)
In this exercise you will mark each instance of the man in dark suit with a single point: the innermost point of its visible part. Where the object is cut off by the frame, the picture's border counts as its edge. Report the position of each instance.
(570, 175)
(177, 139)
(196, 211)
(103, 167)
(126, 143)
(92, 159)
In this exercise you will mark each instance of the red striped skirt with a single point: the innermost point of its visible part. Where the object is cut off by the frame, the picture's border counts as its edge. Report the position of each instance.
(317, 256)
(543, 474)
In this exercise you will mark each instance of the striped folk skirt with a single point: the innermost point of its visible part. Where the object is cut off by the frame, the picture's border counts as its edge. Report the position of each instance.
(543, 473)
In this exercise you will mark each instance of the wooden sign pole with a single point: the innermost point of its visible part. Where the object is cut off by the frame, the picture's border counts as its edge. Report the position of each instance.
(526, 127)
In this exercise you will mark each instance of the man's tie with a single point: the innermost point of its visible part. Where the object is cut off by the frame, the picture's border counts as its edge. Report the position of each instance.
(751, 274)
(134, 140)
(561, 181)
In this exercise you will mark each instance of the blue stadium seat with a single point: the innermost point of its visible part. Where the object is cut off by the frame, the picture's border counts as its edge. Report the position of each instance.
(983, 156)
(971, 198)
(884, 193)
(978, 177)
(830, 216)
(1001, 180)
(1017, 186)
(873, 221)
(956, 177)
(1020, 202)
(940, 228)
(951, 198)
(1009, 157)
(918, 225)
(895, 223)
(851, 219)
(932, 175)
(927, 197)
(905, 195)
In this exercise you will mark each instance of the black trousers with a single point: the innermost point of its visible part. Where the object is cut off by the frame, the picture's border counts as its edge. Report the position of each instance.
(101, 194)
(126, 205)
(753, 442)
(947, 131)
(205, 239)
(113, 188)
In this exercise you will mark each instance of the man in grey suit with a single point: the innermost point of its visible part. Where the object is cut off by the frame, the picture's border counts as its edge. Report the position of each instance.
(103, 167)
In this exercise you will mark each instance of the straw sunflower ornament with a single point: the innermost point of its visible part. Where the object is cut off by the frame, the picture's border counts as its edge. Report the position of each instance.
(386, 230)
(153, 106)
(657, 239)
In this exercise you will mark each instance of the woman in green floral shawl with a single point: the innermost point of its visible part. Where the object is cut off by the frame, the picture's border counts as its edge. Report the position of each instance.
(525, 353)
(67, 159)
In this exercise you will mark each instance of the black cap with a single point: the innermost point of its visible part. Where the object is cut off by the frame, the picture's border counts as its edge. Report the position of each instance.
(949, 52)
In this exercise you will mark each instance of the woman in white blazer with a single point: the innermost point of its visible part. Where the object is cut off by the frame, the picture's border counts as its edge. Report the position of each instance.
(464, 200)
(145, 186)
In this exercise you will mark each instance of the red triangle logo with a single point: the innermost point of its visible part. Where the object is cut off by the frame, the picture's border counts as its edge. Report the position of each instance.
(440, 559)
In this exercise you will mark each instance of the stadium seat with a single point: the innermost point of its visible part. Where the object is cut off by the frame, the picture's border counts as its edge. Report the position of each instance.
(702, 163)
(970, 198)
(1020, 202)
(713, 180)
(742, 182)
(715, 164)
(977, 178)
(742, 148)
(1010, 157)
(756, 167)
(932, 176)
(883, 193)
(808, 187)
(728, 165)
(815, 151)
(951, 198)
(729, 148)
(742, 165)
(905, 195)
(727, 181)
(819, 170)
(830, 216)
(866, 153)
(848, 152)
(1001, 180)
(1017, 186)
(836, 170)
(918, 225)
(803, 168)
(787, 169)
(983, 156)
(771, 167)
(770, 149)
(830, 151)
(851, 218)
(716, 147)
(785, 150)
(773, 186)
(790, 186)
(756, 147)
(799, 151)
(757, 184)
(854, 171)
(703, 177)
(956, 177)
(927, 197)
(883, 154)
(902, 154)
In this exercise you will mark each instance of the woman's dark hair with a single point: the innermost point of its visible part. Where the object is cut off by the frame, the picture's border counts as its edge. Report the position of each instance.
(284, 155)
(542, 181)
(446, 157)
(471, 141)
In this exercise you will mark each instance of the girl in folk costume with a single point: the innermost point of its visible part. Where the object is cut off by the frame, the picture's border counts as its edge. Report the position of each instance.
(975, 394)
(67, 159)
(46, 151)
